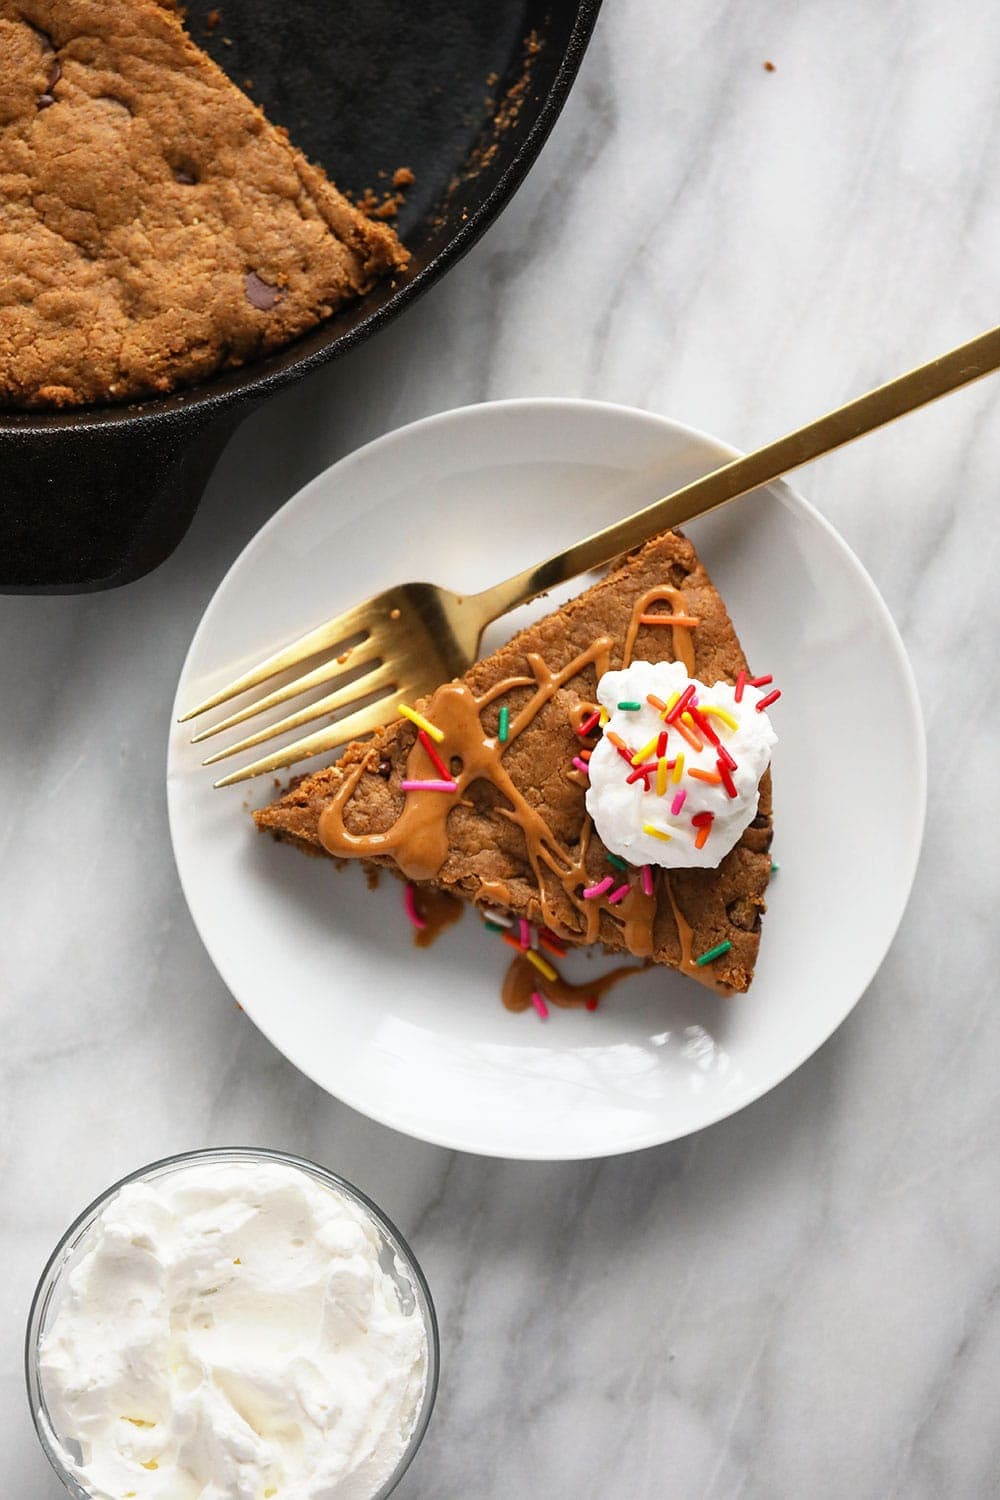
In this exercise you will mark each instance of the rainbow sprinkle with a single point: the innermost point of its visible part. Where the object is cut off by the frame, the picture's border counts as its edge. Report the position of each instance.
(677, 803)
(656, 833)
(646, 876)
(678, 770)
(759, 682)
(774, 868)
(541, 964)
(503, 727)
(726, 777)
(410, 903)
(589, 724)
(581, 765)
(539, 1004)
(661, 776)
(771, 698)
(433, 756)
(712, 777)
(646, 751)
(713, 953)
(629, 707)
(619, 894)
(591, 892)
(591, 1004)
(428, 786)
(619, 864)
(525, 931)
(548, 941)
(498, 918)
(741, 682)
(421, 723)
(720, 713)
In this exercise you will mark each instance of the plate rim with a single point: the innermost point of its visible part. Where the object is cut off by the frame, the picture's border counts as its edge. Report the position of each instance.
(900, 657)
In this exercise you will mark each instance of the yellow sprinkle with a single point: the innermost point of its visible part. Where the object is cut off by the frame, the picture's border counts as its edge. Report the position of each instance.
(540, 964)
(672, 700)
(604, 716)
(657, 833)
(720, 713)
(640, 755)
(421, 723)
(138, 1422)
(661, 775)
(151, 1465)
(237, 1261)
(678, 770)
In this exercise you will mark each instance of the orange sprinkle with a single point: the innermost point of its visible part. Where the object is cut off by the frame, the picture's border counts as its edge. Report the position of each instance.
(712, 777)
(656, 703)
(688, 621)
(694, 740)
(701, 837)
(616, 740)
(553, 947)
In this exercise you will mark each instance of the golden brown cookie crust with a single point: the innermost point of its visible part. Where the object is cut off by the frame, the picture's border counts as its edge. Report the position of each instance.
(487, 855)
(154, 227)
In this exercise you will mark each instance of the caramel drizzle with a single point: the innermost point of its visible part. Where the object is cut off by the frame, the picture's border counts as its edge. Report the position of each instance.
(701, 972)
(682, 642)
(522, 980)
(418, 840)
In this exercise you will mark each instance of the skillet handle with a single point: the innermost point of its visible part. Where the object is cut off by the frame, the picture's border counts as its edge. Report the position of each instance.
(94, 504)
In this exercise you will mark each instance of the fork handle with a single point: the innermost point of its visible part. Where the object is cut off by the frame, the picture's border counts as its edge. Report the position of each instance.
(884, 404)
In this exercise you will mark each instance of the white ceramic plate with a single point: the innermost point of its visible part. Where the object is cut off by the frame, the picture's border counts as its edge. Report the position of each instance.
(419, 1039)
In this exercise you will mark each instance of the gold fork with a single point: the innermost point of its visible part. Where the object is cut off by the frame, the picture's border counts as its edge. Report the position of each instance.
(409, 639)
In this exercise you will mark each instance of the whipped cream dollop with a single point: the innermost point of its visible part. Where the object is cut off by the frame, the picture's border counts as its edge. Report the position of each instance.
(658, 818)
(225, 1331)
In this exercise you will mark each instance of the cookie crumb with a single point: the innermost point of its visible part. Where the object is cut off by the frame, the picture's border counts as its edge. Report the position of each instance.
(769, 67)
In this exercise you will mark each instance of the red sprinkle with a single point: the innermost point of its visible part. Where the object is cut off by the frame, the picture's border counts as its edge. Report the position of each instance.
(644, 770)
(661, 745)
(741, 682)
(762, 681)
(726, 758)
(439, 764)
(727, 777)
(771, 698)
(591, 1004)
(550, 943)
(589, 724)
(703, 819)
(703, 725)
(681, 704)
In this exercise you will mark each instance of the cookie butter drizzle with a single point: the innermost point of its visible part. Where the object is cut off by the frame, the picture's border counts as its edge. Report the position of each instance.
(418, 840)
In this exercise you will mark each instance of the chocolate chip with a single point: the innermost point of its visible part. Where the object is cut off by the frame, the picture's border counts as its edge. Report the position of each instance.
(55, 73)
(384, 769)
(44, 100)
(182, 176)
(260, 294)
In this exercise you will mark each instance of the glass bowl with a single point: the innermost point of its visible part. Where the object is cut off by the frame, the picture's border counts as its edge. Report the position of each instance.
(396, 1259)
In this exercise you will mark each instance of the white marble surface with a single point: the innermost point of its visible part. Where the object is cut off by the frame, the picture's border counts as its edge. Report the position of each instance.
(802, 1301)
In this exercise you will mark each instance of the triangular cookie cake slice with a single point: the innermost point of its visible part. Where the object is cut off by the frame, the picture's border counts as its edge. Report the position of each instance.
(603, 777)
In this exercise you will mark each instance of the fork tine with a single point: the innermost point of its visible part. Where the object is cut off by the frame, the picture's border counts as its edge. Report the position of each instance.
(329, 671)
(321, 639)
(384, 676)
(362, 722)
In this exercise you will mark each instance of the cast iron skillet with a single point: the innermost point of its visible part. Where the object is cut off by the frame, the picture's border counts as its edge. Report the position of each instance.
(463, 93)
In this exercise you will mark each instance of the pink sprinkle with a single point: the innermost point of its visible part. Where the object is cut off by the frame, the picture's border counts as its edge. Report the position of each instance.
(581, 765)
(647, 880)
(677, 804)
(410, 902)
(591, 892)
(619, 894)
(428, 786)
(539, 1004)
(525, 932)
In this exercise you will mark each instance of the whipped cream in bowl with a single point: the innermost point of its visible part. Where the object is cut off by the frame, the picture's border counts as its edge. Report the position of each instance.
(231, 1325)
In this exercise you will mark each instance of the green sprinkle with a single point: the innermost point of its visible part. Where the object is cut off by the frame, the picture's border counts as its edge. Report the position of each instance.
(716, 952)
(619, 864)
(774, 868)
(494, 926)
(504, 725)
(630, 707)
